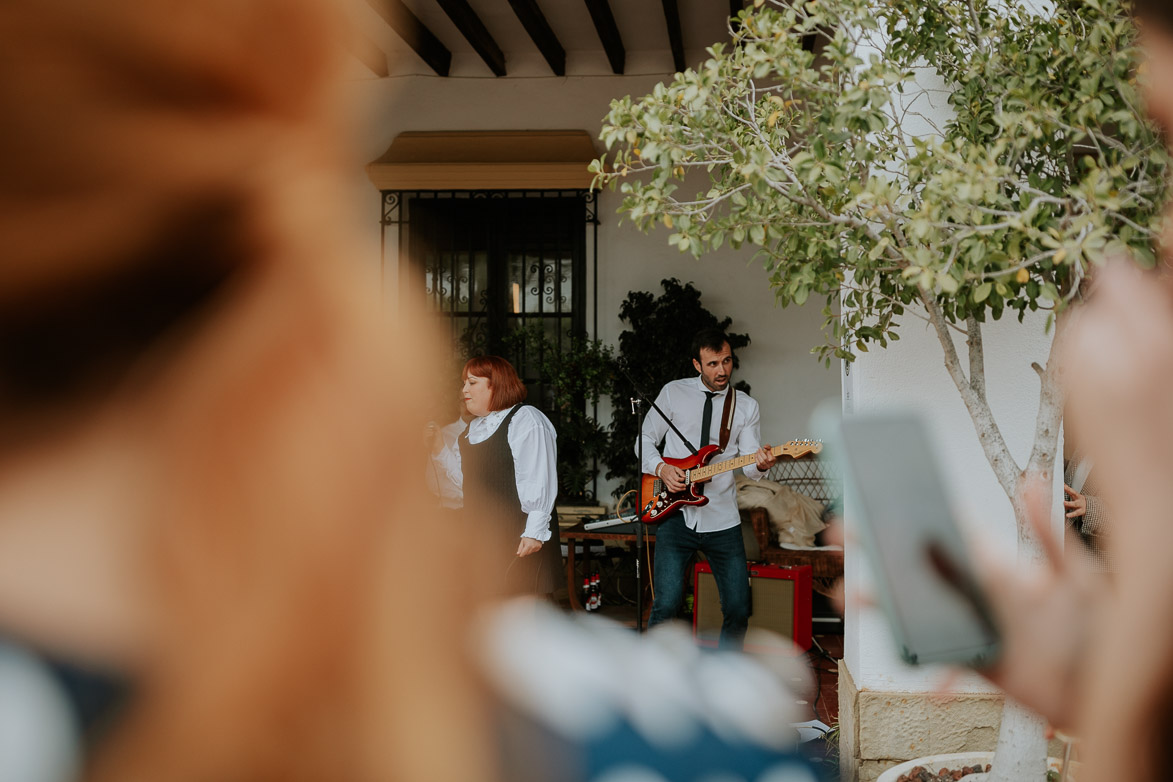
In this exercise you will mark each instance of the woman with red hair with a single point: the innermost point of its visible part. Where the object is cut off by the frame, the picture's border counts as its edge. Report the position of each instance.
(506, 470)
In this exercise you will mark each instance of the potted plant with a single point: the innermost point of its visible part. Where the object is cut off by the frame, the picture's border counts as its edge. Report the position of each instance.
(958, 761)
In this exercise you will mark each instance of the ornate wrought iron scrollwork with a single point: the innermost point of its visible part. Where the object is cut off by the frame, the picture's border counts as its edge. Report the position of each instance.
(534, 279)
(590, 201)
(564, 282)
(391, 202)
(548, 286)
(462, 285)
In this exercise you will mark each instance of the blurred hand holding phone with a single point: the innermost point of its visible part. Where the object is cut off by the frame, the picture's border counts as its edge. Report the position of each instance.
(924, 576)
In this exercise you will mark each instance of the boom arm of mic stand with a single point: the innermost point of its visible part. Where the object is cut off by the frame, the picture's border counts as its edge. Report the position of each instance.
(639, 392)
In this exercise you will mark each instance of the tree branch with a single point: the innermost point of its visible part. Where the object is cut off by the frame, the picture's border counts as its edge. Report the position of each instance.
(1041, 463)
(994, 446)
(977, 358)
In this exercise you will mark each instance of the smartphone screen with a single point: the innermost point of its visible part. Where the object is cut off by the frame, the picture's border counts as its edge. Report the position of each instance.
(923, 571)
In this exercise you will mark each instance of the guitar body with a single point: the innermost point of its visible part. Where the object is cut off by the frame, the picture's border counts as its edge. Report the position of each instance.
(659, 502)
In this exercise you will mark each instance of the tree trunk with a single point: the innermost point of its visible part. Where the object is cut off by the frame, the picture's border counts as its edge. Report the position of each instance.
(1021, 755)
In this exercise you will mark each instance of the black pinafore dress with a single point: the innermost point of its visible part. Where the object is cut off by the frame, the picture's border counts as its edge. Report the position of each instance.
(490, 497)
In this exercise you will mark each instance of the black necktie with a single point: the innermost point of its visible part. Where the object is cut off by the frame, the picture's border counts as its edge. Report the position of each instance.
(707, 418)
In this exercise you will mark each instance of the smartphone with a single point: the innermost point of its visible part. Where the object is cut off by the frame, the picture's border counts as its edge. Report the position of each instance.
(924, 575)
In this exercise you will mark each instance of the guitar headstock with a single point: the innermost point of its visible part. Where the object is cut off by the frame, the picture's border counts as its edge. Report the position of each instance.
(796, 449)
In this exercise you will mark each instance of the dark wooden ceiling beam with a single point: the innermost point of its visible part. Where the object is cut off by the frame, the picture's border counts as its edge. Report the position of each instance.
(366, 51)
(408, 27)
(675, 37)
(534, 22)
(474, 31)
(608, 33)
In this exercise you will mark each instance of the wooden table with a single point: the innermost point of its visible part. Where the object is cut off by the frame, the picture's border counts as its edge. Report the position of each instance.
(623, 533)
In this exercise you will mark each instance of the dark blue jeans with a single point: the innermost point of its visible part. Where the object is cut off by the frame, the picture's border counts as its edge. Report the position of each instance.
(675, 546)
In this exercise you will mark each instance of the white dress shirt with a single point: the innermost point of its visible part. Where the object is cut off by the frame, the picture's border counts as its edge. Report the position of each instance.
(684, 401)
(532, 440)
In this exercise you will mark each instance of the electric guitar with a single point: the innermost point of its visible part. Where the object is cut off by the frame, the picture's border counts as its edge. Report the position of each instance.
(697, 470)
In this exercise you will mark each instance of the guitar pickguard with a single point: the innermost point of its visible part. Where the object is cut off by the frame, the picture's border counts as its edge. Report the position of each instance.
(661, 502)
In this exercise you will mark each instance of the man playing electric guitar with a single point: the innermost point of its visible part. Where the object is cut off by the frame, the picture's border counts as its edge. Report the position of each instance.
(697, 407)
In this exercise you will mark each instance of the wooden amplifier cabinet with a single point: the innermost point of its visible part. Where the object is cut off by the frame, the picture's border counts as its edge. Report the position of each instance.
(780, 601)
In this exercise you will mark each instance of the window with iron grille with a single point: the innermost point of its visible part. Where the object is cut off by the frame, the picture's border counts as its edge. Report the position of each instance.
(492, 263)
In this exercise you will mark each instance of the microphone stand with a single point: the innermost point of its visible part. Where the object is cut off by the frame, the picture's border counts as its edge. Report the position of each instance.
(636, 405)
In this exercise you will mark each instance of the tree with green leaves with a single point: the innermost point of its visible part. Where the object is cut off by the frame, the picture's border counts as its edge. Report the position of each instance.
(954, 161)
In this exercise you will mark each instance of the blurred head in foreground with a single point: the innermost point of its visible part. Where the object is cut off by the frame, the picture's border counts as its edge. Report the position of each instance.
(201, 473)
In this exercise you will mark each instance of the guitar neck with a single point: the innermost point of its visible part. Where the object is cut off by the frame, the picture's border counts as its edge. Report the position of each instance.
(709, 470)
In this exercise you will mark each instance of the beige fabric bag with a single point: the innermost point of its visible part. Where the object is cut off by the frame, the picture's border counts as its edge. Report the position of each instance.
(795, 517)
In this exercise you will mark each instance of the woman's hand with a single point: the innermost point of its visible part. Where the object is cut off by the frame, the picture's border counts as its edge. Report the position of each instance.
(1077, 505)
(528, 546)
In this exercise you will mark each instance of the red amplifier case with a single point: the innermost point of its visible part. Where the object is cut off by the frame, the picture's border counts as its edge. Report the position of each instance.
(781, 602)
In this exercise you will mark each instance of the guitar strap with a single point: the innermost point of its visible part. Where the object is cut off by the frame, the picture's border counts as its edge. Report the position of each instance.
(727, 417)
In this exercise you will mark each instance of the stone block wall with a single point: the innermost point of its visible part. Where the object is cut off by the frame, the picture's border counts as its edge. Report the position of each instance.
(880, 729)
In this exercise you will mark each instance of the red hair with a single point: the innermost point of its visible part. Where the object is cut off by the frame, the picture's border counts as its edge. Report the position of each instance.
(505, 387)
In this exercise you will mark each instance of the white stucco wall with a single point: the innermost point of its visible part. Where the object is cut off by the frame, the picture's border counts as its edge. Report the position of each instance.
(911, 374)
(785, 377)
